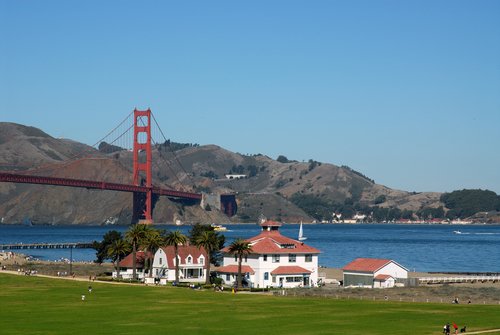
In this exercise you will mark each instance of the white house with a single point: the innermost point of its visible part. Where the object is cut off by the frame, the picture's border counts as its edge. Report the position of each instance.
(125, 266)
(192, 264)
(373, 273)
(275, 261)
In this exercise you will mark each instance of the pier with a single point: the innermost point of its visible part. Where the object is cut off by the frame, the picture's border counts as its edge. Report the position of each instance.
(459, 279)
(62, 245)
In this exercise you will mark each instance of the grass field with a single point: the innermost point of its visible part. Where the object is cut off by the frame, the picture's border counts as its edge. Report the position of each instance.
(35, 305)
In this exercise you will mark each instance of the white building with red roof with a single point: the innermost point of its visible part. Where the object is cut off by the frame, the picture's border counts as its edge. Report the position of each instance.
(125, 266)
(373, 273)
(275, 261)
(192, 264)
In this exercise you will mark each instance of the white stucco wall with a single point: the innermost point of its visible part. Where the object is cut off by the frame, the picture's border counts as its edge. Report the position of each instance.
(394, 270)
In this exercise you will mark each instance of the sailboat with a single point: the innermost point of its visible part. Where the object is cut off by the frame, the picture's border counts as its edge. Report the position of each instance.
(301, 233)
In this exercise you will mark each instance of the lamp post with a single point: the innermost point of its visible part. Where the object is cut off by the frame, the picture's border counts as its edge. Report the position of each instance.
(70, 259)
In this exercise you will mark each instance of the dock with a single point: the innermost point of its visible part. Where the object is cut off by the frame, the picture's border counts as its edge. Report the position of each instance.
(62, 245)
(459, 279)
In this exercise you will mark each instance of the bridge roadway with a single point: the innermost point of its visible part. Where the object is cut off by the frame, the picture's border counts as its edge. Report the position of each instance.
(62, 245)
(98, 185)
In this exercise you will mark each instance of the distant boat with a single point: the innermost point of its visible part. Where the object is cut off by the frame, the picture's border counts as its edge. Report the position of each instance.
(457, 232)
(178, 222)
(218, 227)
(301, 233)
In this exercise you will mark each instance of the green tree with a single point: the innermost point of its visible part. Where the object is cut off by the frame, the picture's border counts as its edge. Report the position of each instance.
(135, 235)
(208, 240)
(240, 248)
(102, 247)
(176, 238)
(116, 251)
(153, 240)
(197, 230)
(282, 159)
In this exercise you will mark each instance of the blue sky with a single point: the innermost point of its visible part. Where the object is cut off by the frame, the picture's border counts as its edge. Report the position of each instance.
(406, 92)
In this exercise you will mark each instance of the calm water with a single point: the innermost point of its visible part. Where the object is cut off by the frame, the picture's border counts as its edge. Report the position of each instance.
(417, 247)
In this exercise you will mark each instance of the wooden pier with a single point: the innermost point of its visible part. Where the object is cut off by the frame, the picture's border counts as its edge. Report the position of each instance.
(62, 245)
(459, 279)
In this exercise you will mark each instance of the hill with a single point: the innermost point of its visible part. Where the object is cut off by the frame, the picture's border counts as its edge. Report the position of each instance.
(286, 190)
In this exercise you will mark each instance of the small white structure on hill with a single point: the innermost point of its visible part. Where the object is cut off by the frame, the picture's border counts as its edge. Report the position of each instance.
(275, 261)
(373, 273)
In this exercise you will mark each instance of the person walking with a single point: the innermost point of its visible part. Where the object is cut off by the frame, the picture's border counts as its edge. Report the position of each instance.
(455, 327)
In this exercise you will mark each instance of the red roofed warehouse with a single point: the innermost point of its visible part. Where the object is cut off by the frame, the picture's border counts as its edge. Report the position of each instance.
(374, 273)
(275, 261)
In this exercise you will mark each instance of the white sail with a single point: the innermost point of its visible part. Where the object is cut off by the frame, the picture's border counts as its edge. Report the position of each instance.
(301, 233)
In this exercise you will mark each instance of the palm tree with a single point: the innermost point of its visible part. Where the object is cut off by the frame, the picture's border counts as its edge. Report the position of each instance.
(240, 247)
(135, 235)
(116, 250)
(152, 242)
(208, 240)
(176, 238)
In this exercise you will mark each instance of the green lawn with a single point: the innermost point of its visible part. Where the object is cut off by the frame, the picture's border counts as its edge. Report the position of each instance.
(32, 305)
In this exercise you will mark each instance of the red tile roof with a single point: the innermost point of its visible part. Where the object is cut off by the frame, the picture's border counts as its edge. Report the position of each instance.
(289, 270)
(272, 242)
(382, 277)
(366, 264)
(184, 251)
(139, 259)
(234, 269)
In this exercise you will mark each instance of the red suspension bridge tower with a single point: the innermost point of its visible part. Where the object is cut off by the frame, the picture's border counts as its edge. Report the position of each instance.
(142, 161)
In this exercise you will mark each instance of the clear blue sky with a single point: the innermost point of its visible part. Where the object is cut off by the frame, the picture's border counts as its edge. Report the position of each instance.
(406, 92)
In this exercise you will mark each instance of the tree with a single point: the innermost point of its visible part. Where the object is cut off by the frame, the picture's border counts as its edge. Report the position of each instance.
(176, 238)
(152, 242)
(197, 230)
(135, 235)
(207, 240)
(282, 159)
(102, 247)
(240, 247)
(116, 251)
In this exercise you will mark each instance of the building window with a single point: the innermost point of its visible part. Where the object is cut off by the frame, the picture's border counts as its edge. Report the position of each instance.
(309, 258)
(228, 277)
(274, 279)
(276, 258)
(200, 260)
(266, 275)
(161, 260)
(292, 258)
(265, 258)
(235, 258)
(189, 260)
(246, 258)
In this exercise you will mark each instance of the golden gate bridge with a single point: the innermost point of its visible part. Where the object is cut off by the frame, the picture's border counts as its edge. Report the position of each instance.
(144, 192)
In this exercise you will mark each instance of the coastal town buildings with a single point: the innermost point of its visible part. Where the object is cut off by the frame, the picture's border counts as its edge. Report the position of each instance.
(275, 261)
(373, 273)
(192, 265)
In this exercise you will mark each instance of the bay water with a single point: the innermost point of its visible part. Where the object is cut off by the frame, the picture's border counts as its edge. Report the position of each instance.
(425, 248)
